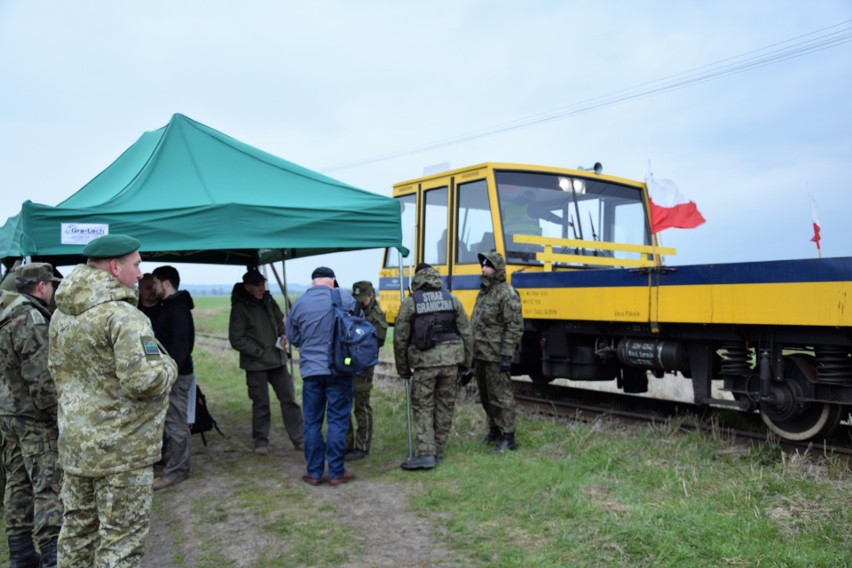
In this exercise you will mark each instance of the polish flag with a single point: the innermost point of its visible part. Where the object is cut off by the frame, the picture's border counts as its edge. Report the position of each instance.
(816, 237)
(669, 207)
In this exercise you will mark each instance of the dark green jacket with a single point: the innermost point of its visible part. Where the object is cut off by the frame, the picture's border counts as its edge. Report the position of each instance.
(374, 314)
(254, 327)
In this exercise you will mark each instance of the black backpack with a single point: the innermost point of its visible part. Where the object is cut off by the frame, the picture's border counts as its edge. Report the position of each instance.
(204, 422)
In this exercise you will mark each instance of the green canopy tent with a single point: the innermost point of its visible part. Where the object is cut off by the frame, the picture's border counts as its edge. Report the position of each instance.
(193, 194)
(10, 234)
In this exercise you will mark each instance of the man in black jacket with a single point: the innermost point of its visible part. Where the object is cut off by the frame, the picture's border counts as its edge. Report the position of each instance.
(175, 329)
(256, 330)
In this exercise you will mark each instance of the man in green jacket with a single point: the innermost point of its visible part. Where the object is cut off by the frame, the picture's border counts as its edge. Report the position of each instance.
(112, 383)
(358, 441)
(256, 330)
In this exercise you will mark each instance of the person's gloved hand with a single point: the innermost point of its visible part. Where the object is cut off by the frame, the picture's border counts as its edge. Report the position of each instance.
(405, 377)
(465, 375)
(506, 363)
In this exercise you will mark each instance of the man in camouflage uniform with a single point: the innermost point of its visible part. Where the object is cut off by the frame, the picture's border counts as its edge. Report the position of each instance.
(112, 380)
(497, 325)
(432, 338)
(7, 284)
(33, 509)
(358, 441)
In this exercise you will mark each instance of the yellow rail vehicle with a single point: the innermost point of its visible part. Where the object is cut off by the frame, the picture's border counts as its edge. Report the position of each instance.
(600, 305)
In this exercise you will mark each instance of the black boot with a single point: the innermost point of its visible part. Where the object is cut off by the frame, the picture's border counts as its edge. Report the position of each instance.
(420, 462)
(492, 436)
(22, 552)
(507, 442)
(48, 553)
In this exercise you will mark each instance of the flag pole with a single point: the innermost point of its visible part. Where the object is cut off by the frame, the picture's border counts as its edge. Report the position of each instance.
(654, 236)
(816, 238)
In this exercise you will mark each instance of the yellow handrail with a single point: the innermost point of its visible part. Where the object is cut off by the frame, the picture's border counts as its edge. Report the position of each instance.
(548, 257)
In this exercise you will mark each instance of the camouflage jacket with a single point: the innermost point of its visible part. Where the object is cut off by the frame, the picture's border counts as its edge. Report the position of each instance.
(374, 314)
(26, 388)
(454, 352)
(112, 376)
(497, 320)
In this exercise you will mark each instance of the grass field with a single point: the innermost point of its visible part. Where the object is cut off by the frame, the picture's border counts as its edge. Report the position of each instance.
(574, 494)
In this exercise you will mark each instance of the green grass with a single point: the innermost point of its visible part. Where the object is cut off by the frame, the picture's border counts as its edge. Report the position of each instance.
(574, 494)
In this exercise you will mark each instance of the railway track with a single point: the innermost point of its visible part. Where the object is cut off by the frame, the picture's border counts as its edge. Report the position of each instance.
(580, 404)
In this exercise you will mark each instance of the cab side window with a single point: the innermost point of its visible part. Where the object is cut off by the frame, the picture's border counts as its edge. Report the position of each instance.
(435, 226)
(475, 228)
(408, 209)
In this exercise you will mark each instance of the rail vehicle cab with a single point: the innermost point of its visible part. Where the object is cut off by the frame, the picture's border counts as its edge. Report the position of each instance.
(538, 218)
(599, 305)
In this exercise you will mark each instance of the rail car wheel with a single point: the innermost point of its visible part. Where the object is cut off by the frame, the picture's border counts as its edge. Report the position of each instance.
(788, 415)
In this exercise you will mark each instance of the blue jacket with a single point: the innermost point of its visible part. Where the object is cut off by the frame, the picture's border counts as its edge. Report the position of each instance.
(310, 326)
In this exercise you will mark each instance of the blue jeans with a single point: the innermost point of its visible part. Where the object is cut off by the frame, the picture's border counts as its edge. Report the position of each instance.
(320, 395)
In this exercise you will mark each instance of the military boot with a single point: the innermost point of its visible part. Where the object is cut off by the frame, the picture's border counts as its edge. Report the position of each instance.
(22, 552)
(48, 553)
(420, 462)
(492, 436)
(507, 442)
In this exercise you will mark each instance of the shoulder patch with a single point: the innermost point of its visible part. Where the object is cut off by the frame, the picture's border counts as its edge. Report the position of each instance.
(150, 346)
(37, 318)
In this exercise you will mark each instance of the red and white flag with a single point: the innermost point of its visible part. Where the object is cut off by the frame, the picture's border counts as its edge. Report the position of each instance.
(669, 207)
(816, 237)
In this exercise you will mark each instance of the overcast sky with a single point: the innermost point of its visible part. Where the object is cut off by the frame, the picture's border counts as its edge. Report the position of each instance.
(334, 85)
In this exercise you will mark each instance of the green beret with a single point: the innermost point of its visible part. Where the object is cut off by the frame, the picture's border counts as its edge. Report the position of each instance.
(111, 246)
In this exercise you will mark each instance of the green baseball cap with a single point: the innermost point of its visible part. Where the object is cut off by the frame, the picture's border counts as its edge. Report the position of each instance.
(362, 290)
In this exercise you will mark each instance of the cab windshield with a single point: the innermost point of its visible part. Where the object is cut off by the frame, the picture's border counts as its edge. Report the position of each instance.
(568, 207)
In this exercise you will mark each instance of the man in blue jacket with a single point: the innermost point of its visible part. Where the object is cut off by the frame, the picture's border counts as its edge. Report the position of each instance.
(310, 326)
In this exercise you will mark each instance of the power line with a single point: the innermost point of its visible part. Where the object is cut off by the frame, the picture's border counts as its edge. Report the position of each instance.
(818, 40)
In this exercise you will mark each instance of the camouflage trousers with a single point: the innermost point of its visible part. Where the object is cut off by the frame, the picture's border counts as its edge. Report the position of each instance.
(495, 394)
(433, 398)
(33, 478)
(2, 467)
(106, 519)
(361, 437)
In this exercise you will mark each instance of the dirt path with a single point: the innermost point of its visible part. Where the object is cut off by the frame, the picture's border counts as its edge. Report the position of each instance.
(203, 521)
